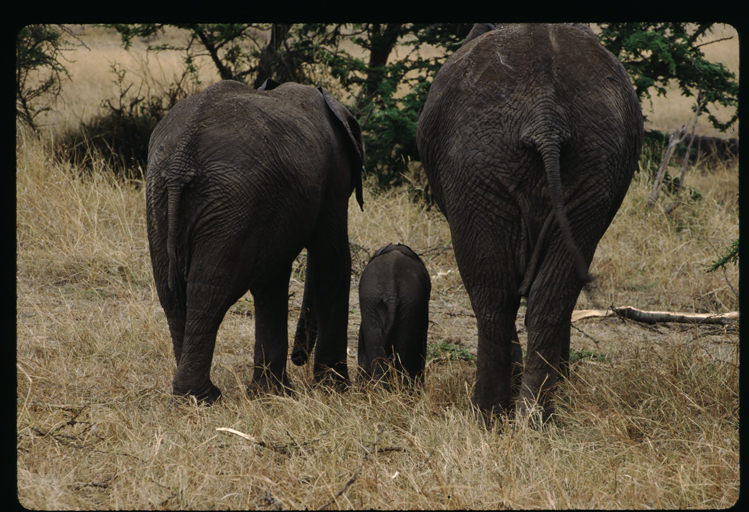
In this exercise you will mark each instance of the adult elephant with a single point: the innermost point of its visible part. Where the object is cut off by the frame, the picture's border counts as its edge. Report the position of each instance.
(529, 138)
(239, 181)
(394, 299)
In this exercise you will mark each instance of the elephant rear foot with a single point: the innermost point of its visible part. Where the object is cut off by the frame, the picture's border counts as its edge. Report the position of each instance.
(265, 382)
(533, 412)
(207, 397)
(336, 377)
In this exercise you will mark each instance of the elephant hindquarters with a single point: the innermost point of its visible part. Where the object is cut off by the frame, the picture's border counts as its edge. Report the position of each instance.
(376, 333)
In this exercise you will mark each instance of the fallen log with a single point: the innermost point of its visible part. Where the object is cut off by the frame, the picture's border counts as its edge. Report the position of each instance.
(653, 317)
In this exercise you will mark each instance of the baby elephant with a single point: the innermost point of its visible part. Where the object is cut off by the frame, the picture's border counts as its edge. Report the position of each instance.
(394, 300)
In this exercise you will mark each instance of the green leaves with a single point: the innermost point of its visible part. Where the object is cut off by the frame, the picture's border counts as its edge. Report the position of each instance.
(731, 255)
(382, 71)
(39, 70)
(656, 53)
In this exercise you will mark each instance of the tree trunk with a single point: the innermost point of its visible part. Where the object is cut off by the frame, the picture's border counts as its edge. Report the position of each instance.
(271, 65)
(383, 39)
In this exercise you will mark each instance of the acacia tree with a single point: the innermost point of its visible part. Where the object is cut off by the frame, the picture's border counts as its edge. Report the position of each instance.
(386, 94)
(237, 50)
(386, 91)
(252, 53)
(656, 53)
(39, 70)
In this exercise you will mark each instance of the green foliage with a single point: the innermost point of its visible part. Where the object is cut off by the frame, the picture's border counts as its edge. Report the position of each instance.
(730, 256)
(383, 88)
(655, 53)
(376, 86)
(585, 354)
(447, 350)
(39, 72)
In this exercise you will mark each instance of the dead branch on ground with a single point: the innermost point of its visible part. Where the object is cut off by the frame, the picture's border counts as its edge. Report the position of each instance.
(652, 317)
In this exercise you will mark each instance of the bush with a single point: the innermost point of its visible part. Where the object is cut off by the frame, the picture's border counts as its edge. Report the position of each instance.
(119, 135)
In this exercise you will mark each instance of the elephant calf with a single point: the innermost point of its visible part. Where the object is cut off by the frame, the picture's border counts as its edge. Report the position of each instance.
(394, 300)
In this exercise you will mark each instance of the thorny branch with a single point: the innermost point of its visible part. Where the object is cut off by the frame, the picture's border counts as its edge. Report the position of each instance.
(358, 471)
(701, 100)
(673, 141)
(584, 333)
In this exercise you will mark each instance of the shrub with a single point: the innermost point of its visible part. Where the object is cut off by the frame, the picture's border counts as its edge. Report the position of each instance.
(119, 135)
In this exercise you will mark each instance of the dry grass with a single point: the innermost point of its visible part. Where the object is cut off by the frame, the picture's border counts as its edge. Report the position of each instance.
(654, 424)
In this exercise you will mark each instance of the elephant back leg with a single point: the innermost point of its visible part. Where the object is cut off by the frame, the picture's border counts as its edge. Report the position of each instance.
(373, 351)
(305, 335)
(271, 335)
(410, 344)
(329, 260)
(554, 291)
(491, 276)
(550, 302)
(173, 300)
(214, 283)
(172, 296)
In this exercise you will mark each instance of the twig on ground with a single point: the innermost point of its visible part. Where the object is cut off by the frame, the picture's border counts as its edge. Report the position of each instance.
(358, 471)
(281, 448)
(390, 449)
(584, 333)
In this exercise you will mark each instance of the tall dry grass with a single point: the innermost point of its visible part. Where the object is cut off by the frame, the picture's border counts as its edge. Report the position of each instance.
(651, 422)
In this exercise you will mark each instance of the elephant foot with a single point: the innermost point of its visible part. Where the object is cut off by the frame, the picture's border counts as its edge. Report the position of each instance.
(495, 410)
(532, 412)
(398, 380)
(267, 383)
(496, 417)
(208, 397)
(333, 379)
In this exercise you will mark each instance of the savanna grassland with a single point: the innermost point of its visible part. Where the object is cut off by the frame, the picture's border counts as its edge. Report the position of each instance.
(648, 419)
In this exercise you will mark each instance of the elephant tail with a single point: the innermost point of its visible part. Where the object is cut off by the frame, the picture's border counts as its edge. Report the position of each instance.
(549, 148)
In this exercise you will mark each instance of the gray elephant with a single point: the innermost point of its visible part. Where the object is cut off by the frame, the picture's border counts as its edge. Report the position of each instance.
(239, 181)
(394, 300)
(529, 137)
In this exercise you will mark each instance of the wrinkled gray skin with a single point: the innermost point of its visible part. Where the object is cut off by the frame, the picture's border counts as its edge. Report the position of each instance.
(394, 300)
(529, 137)
(239, 181)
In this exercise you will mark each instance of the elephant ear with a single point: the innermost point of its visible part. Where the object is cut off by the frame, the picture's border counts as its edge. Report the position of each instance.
(268, 85)
(355, 146)
(478, 30)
